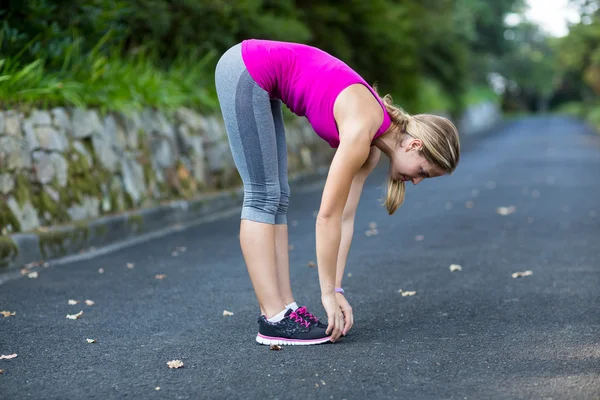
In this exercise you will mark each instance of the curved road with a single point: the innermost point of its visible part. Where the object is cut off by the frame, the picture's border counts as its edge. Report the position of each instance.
(471, 334)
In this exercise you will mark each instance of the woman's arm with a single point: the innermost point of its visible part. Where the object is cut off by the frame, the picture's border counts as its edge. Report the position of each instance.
(350, 212)
(351, 155)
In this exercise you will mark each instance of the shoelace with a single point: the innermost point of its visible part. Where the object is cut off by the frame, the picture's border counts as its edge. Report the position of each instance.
(304, 313)
(297, 318)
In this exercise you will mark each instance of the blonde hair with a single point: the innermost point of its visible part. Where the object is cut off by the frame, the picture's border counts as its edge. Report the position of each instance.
(441, 145)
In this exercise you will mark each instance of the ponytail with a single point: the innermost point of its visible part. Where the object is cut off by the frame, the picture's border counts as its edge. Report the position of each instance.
(395, 195)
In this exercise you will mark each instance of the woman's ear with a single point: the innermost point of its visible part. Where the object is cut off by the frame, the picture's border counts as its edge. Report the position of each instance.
(415, 144)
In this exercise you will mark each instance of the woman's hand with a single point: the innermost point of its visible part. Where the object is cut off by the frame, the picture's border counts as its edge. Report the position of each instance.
(335, 318)
(347, 311)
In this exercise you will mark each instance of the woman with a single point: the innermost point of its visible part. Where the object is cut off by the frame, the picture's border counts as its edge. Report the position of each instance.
(253, 78)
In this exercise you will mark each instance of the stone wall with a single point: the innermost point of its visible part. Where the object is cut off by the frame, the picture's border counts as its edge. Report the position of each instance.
(66, 165)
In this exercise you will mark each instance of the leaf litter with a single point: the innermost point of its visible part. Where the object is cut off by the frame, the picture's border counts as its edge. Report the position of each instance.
(406, 293)
(227, 313)
(175, 364)
(7, 357)
(455, 267)
(75, 316)
(6, 314)
(522, 274)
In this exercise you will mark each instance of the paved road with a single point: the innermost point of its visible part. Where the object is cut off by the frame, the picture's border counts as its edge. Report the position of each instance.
(470, 334)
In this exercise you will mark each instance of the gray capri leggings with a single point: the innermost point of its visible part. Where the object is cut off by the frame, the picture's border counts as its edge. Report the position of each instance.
(254, 125)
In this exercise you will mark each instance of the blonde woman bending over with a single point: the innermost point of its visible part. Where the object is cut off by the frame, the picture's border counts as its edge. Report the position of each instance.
(253, 79)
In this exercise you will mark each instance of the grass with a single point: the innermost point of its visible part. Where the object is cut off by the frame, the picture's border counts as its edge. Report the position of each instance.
(109, 82)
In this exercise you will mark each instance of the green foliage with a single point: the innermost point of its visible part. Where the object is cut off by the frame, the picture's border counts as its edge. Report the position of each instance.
(128, 54)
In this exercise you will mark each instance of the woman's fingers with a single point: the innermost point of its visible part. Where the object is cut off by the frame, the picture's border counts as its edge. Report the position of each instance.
(349, 319)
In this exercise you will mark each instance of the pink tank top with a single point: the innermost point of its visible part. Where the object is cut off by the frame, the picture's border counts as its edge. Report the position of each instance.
(307, 80)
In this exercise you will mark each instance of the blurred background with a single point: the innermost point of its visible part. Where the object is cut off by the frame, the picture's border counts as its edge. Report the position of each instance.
(110, 105)
(530, 55)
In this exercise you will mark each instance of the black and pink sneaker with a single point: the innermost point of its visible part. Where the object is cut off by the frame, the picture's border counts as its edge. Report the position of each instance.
(314, 321)
(293, 329)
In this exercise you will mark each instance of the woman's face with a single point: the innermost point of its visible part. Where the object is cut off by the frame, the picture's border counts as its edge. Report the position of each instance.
(408, 163)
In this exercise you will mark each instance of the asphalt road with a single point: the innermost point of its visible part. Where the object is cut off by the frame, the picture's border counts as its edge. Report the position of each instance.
(471, 334)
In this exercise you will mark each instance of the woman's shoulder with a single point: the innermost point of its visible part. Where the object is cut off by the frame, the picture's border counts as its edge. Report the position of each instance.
(357, 105)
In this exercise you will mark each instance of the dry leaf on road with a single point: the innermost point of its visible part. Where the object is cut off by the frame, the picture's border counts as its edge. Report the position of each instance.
(75, 316)
(7, 313)
(227, 313)
(160, 276)
(157, 388)
(275, 347)
(89, 303)
(32, 275)
(175, 364)
(100, 270)
(130, 265)
(349, 275)
(522, 274)
(506, 210)
(1, 371)
(312, 264)
(8, 357)
(91, 340)
(72, 302)
(455, 267)
(371, 232)
(407, 292)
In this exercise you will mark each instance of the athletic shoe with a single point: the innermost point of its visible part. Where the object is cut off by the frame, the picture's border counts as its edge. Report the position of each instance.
(291, 330)
(314, 321)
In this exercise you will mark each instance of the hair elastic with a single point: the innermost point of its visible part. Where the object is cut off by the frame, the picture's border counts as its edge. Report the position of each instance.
(339, 290)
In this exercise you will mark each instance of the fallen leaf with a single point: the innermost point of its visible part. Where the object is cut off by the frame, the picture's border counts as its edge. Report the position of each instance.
(91, 340)
(75, 316)
(175, 364)
(372, 225)
(227, 313)
(24, 271)
(349, 275)
(371, 232)
(469, 204)
(506, 210)
(275, 347)
(72, 302)
(157, 388)
(419, 238)
(455, 267)
(522, 274)
(32, 275)
(323, 383)
(7, 313)
(160, 276)
(89, 303)
(130, 265)
(312, 264)
(100, 270)
(316, 385)
(407, 292)
(1, 371)
(3, 357)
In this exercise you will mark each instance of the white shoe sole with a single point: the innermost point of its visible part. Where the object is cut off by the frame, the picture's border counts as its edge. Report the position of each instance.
(267, 340)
